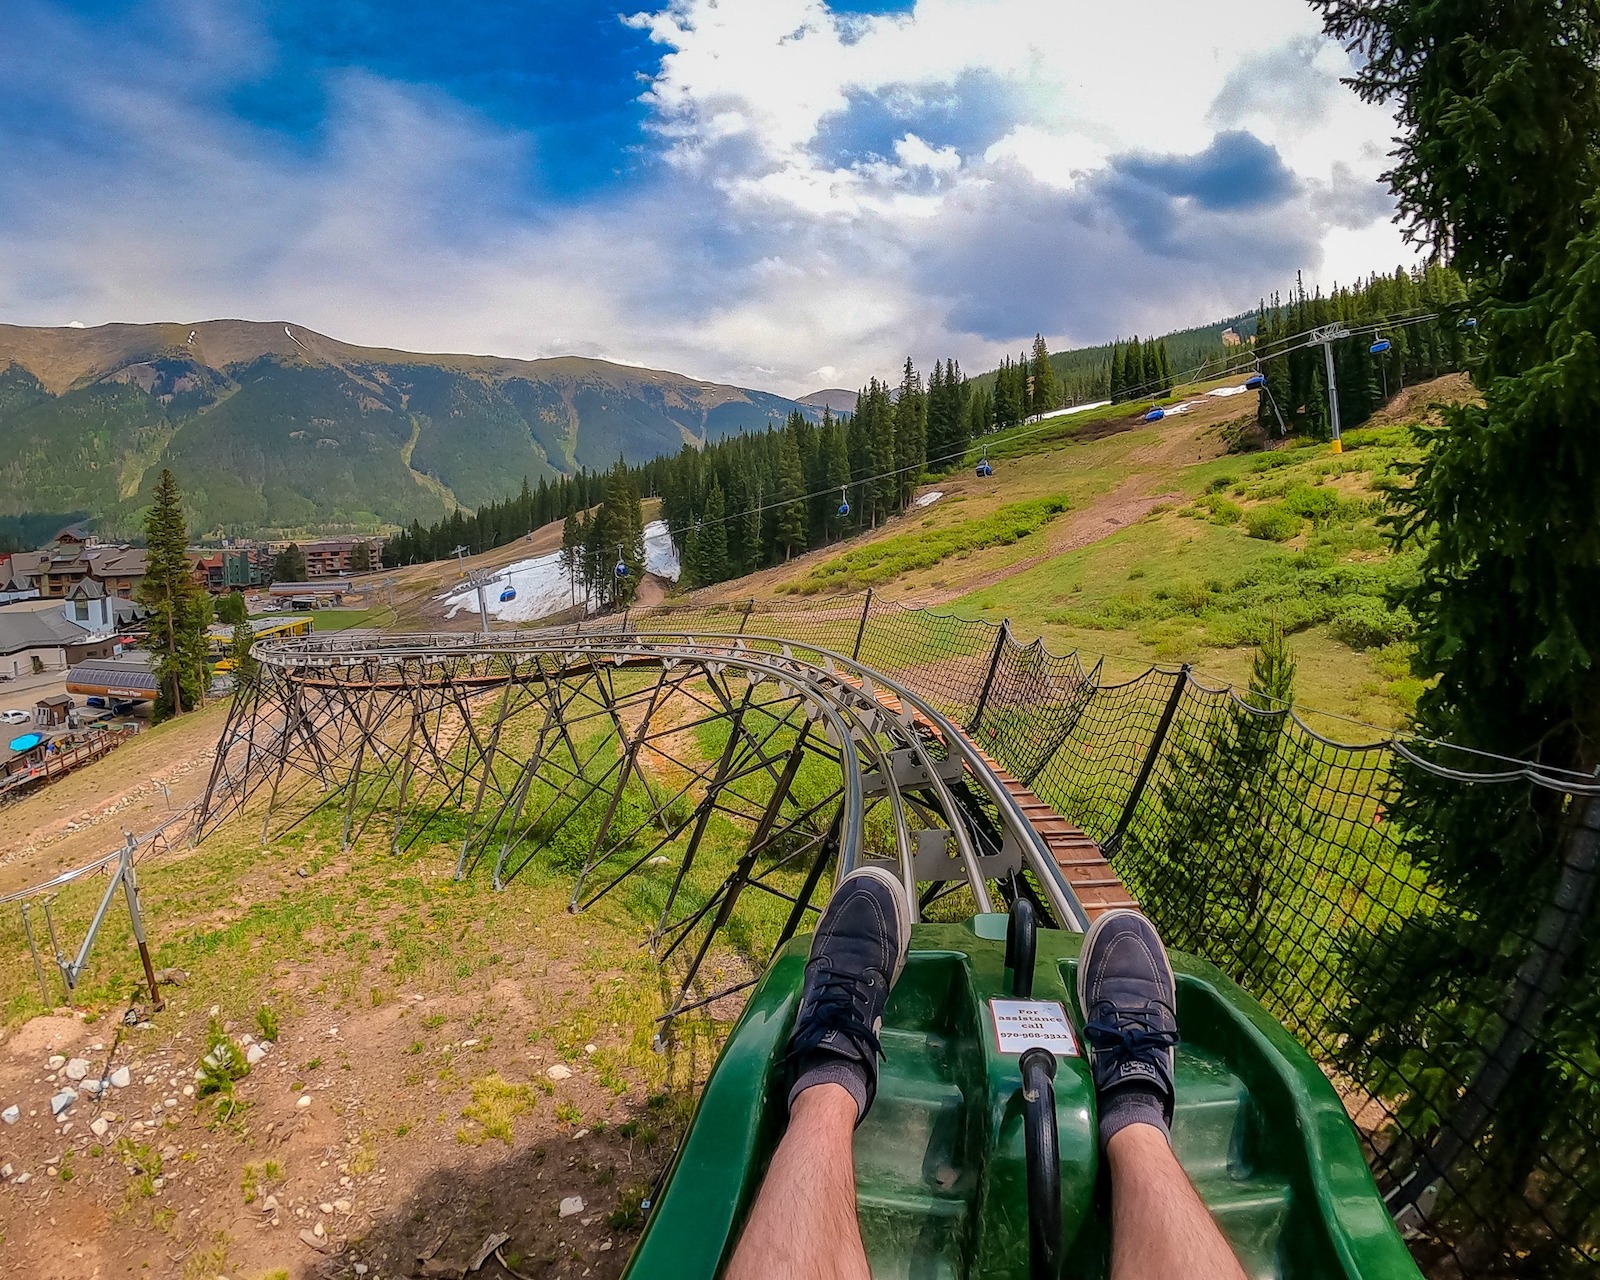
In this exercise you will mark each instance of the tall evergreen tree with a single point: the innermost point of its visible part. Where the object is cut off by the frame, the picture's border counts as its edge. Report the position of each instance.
(711, 541)
(1046, 394)
(178, 607)
(571, 554)
(1506, 598)
(289, 565)
(244, 664)
(791, 521)
(910, 434)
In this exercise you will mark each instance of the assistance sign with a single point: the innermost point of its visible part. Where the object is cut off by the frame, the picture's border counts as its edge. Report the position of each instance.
(1023, 1024)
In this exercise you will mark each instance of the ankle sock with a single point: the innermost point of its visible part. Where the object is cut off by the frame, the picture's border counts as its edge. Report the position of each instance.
(830, 1068)
(1131, 1104)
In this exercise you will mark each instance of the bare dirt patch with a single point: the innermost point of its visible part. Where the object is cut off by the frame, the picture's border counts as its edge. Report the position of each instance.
(71, 821)
(1419, 403)
(387, 1128)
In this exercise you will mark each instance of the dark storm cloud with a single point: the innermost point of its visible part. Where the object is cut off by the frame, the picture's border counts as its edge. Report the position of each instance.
(1110, 256)
(1237, 171)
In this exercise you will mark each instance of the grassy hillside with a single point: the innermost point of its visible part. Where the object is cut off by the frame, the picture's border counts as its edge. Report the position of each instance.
(1154, 543)
(274, 428)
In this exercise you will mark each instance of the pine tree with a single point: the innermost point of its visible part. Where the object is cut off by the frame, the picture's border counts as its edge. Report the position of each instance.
(910, 434)
(1501, 514)
(958, 395)
(791, 521)
(711, 540)
(980, 415)
(244, 663)
(1046, 394)
(835, 469)
(1133, 370)
(571, 554)
(617, 532)
(178, 607)
(289, 565)
(360, 557)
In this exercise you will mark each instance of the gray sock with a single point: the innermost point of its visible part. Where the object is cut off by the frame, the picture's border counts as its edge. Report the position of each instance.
(829, 1068)
(1131, 1104)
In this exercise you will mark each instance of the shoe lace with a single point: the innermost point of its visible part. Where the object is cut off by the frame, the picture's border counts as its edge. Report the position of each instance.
(1133, 1034)
(834, 1008)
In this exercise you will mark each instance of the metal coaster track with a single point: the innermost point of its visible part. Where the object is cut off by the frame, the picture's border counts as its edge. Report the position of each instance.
(641, 742)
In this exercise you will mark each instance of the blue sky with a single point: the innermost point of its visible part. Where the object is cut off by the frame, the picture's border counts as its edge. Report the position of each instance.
(781, 193)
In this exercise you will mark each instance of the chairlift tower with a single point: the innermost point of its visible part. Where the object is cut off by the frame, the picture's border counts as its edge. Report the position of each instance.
(1327, 335)
(479, 580)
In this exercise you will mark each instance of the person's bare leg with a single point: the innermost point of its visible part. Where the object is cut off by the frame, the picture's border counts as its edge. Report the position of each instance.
(1159, 1225)
(1129, 998)
(803, 1224)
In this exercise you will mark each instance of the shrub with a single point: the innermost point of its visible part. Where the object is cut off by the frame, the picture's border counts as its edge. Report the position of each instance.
(1222, 510)
(1275, 523)
(1365, 622)
(1314, 502)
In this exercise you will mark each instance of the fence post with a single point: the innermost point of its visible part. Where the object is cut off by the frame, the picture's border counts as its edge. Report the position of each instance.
(988, 680)
(749, 608)
(1171, 709)
(861, 630)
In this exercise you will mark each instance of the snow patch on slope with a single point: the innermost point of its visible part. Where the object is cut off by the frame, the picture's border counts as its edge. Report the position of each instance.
(542, 585)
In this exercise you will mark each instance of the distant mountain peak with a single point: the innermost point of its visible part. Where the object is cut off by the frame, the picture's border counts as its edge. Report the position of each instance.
(834, 399)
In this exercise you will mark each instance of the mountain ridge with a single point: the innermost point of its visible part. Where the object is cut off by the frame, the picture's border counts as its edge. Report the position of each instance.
(273, 427)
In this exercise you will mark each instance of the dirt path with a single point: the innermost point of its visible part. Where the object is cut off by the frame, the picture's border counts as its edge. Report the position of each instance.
(1100, 519)
(70, 822)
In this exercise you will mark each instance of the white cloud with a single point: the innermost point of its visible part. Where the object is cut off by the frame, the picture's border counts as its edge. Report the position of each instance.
(762, 252)
(914, 153)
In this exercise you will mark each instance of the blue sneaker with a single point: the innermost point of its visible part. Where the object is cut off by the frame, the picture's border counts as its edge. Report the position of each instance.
(1129, 1003)
(856, 958)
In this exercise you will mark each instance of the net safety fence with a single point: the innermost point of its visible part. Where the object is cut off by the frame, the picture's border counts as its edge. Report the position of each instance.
(1453, 999)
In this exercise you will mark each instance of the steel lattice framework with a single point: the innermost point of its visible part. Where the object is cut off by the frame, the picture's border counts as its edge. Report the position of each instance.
(640, 743)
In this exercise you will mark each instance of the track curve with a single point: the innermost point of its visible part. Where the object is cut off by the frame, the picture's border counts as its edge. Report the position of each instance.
(526, 738)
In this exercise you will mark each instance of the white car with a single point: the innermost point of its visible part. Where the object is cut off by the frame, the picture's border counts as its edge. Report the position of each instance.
(16, 716)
